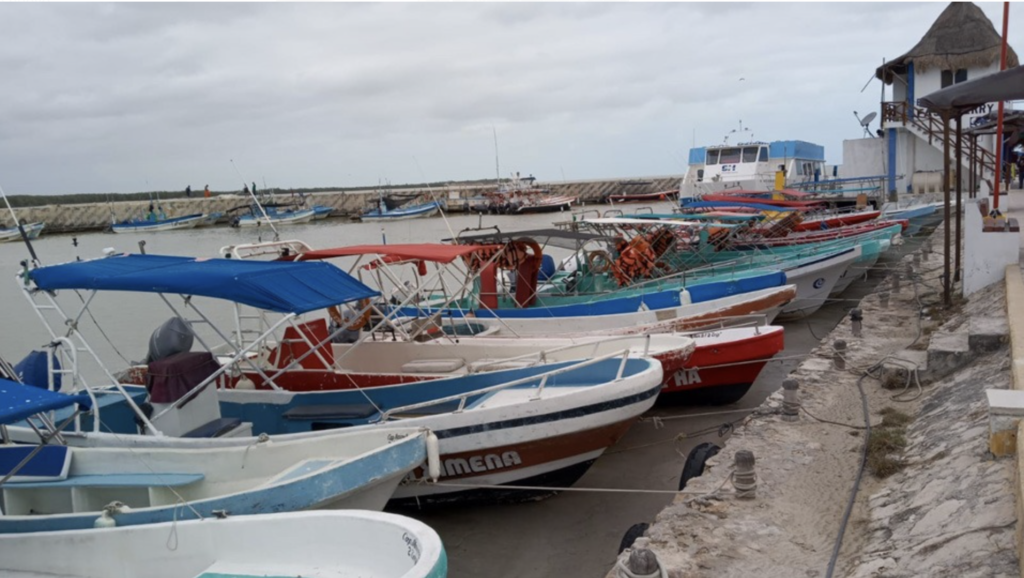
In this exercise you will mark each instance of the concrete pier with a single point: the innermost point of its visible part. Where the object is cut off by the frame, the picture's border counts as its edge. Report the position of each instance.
(98, 216)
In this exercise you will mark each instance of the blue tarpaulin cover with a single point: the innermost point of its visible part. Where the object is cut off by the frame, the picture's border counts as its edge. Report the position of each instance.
(274, 286)
(18, 401)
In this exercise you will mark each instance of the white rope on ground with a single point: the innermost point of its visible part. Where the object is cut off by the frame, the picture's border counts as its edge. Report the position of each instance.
(558, 490)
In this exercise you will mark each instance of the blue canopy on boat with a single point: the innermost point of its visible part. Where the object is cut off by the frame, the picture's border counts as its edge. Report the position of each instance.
(274, 286)
(18, 401)
(726, 204)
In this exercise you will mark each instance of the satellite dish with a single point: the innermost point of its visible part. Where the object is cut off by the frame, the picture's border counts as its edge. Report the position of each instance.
(864, 122)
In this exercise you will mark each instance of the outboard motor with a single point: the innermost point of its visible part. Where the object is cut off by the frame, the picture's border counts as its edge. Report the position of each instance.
(34, 370)
(174, 336)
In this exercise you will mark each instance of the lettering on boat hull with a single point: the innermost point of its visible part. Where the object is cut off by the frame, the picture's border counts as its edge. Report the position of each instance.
(452, 467)
(686, 377)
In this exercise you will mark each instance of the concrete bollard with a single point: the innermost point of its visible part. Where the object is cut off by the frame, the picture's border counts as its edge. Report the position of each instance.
(790, 400)
(856, 317)
(642, 563)
(1005, 410)
(883, 299)
(744, 479)
(839, 351)
(910, 271)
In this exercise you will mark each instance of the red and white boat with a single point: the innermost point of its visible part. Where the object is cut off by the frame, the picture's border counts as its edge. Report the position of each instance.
(724, 365)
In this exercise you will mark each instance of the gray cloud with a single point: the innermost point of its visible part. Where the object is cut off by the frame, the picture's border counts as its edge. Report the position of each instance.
(120, 97)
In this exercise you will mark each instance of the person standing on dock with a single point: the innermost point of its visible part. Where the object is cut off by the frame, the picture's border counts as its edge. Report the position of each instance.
(254, 187)
(206, 192)
(1020, 171)
(188, 191)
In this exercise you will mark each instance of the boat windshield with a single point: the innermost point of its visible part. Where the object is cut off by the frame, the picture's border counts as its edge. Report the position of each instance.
(729, 156)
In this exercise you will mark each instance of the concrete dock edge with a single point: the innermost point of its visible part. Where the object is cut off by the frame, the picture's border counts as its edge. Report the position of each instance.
(1015, 318)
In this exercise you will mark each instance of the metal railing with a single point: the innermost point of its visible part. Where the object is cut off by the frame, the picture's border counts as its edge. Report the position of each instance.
(543, 377)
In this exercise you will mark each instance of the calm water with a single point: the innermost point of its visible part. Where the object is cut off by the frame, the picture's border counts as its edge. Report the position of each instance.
(572, 535)
(129, 319)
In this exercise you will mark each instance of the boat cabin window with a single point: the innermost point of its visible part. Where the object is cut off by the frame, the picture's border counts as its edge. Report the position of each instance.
(750, 154)
(763, 154)
(729, 156)
(712, 158)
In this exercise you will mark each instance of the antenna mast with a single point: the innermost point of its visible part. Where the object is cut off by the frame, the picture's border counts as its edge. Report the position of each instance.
(497, 169)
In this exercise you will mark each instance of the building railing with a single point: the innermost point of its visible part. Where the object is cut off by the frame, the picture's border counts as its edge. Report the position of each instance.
(931, 125)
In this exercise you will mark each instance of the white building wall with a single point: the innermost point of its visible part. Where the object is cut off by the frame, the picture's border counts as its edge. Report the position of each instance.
(986, 255)
(863, 157)
(929, 81)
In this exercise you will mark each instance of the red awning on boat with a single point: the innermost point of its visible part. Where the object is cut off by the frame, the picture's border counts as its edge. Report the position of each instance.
(433, 252)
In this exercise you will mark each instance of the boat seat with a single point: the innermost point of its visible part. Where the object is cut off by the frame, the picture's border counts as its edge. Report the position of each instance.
(345, 411)
(433, 365)
(113, 481)
(215, 428)
(50, 462)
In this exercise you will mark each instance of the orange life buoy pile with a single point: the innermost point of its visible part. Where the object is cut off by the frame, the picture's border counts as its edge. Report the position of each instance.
(636, 260)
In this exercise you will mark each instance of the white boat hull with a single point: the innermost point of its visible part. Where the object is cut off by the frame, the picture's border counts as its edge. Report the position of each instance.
(244, 475)
(174, 225)
(764, 303)
(295, 218)
(815, 282)
(32, 231)
(524, 435)
(310, 544)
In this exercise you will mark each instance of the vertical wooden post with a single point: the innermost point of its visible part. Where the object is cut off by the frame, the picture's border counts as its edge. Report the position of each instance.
(946, 297)
(972, 187)
(959, 187)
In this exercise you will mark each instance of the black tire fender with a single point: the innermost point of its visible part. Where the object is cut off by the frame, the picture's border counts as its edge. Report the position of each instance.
(695, 462)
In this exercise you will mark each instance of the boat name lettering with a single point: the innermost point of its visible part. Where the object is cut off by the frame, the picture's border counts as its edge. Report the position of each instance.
(395, 437)
(728, 168)
(706, 334)
(477, 464)
(686, 377)
(412, 547)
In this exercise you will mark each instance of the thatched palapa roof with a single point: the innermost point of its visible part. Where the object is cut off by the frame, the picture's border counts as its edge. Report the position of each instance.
(961, 37)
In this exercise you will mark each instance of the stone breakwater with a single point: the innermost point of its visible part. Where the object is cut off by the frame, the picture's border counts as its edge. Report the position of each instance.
(948, 512)
(98, 216)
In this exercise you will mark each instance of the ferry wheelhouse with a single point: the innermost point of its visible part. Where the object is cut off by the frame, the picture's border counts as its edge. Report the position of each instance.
(751, 166)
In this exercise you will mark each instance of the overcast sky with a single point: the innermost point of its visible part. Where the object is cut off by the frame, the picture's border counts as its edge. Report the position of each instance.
(134, 97)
